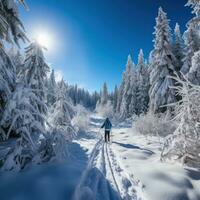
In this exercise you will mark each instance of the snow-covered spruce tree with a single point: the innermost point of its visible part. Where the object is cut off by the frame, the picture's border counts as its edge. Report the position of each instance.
(192, 44)
(35, 75)
(53, 146)
(161, 92)
(184, 144)
(19, 119)
(178, 47)
(134, 106)
(104, 106)
(83, 97)
(16, 58)
(11, 30)
(143, 84)
(115, 98)
(104, 96)
(51, 89)
(194, 73)
(191, 36)
(195, 5)
(127, 90)
(7, 79)
(63, 110)
(119, 98)
(94, 99)
(11, 27)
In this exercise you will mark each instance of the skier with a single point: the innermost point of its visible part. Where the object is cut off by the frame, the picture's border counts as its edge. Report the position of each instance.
(107, 124)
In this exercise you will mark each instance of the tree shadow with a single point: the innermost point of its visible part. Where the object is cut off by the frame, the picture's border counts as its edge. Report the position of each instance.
(130, 146)
(193, 174)
(48, 181)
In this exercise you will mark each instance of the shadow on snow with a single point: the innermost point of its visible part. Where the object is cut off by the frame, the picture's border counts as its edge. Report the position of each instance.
(51, 181)
(130, 146)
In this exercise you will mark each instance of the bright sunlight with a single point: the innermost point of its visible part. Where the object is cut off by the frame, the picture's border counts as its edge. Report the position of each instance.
(45, 39)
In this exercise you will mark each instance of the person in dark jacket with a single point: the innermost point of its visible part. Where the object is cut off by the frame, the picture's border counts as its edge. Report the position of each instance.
(107, 125)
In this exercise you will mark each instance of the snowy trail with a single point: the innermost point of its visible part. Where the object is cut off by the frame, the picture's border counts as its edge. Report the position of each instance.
(104, 178)
(129, 187)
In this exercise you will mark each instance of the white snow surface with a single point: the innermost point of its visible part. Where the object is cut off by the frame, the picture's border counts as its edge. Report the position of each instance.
(127, 168)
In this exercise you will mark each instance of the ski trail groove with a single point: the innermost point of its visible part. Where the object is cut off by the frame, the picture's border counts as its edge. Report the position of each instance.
(131, 189)
(111, 170)
(103, 174)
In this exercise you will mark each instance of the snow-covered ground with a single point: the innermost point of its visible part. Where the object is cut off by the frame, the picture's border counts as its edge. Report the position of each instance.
(141, 158)
(131, 164)
(128, 168)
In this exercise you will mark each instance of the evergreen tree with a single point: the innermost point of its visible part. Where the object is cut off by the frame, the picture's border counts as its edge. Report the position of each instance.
(191, 36)
(104, 97)
(178, 47)
(11, 29)
(7, 78)
(35, 75)
(115, 98)
(162, 66)
(184, 143)
(16, 58)
(195, 5)
(63, 111)
(194, 73)
(52, 89)
(134, 92)
(143, 84)
(126, 90)
(141, 63)
(192, 44)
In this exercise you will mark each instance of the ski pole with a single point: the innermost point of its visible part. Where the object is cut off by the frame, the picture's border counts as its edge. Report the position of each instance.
(100, 132)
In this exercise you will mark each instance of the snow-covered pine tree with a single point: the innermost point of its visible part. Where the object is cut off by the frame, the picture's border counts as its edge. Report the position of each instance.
(35, 75)
(161, 92)
(192, 44)
(178, 47)
(104, 97)
(19, 119)
(126, 90)
(194, 73)
(134, 105)
(143, 84)
(83, 97)
(184, 144)
(10, 22)
(104, 105)
(52, 89)
(195, 5)
(191, 36)
(17, 59)
(7, 78)
(141, 63)
(11, 30)
(95, 97)
(115, 98)
(120, 93)
(63, 112)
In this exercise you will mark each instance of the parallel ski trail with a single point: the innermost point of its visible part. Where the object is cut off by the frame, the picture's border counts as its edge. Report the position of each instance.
(104, 178)
(111, 170)
(129, 187)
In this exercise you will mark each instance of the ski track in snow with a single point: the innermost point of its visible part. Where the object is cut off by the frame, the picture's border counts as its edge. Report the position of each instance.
(105, 179)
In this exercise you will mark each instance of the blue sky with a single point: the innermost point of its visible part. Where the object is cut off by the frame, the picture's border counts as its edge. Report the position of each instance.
(92, 38)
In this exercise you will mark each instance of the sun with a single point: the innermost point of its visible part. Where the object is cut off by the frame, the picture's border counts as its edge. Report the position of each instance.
(45, 39)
